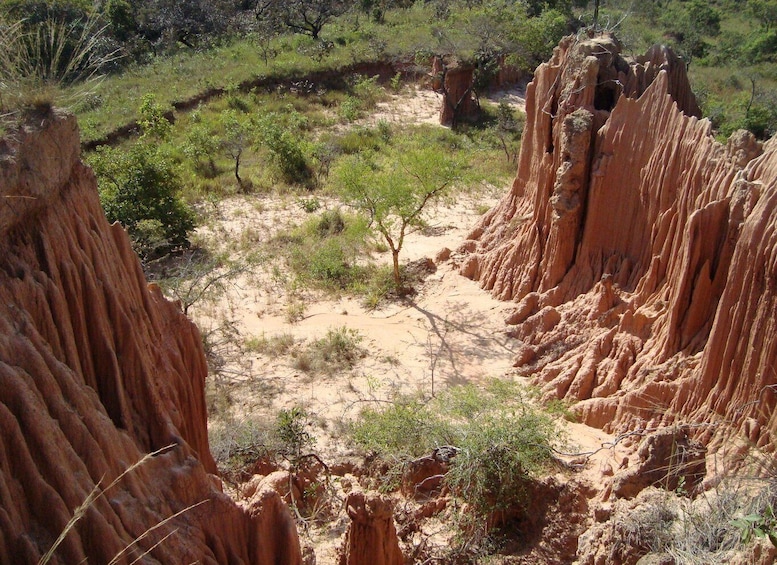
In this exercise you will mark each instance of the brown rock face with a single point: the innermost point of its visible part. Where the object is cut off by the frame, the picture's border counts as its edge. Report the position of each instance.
(453, 79)
(371, 537)
(97, 370)
(668, 458)
(640, 250)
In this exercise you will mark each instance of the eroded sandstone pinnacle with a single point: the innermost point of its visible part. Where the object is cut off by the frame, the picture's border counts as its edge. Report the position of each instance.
(639, 250)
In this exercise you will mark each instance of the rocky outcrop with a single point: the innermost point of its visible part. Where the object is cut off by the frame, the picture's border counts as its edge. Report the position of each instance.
(371, 536)
(454, 80)
(667, 458)
(97, 371)
(639, 250)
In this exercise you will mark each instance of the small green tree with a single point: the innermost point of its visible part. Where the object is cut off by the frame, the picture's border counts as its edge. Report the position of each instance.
(394, 195)
(765, 11)
(152, 119)
(509, 129)
(201, 145)
(238, 135)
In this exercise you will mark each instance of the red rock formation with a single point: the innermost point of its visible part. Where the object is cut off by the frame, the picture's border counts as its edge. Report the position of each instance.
(371, 537)
(640, 250)
(97, 370)
(453, 79)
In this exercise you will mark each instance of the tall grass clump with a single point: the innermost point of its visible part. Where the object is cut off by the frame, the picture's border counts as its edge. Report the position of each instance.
(36, 62)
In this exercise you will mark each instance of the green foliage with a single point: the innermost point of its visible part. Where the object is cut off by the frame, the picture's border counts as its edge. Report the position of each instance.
(406, 428)
(498, 455)
(501, 442)
(324, 250)
(279, 135)
(40, 53)
(328, 263)
(537, 38)
(367, 90)
(393, 192)
(292, 432)
(238, 132)
(201, 146)
(350, 109)
(236, 445)
(272, 346)
(152, 120)
(764, 11)
(691, 22)
(338, 350)
(121, 18)
(310, 205)
(358, 139)
(509, 130)
(759, 524)
(330, 223)
(139, 188)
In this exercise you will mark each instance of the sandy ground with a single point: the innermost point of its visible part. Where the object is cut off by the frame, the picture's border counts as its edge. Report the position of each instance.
(451, 332)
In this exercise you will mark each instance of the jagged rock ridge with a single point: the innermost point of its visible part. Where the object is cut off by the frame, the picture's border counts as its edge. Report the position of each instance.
(641, 252)
(98, 369)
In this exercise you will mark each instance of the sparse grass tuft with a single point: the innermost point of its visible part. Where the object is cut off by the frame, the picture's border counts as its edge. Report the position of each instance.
(338, 350)
(273, 346)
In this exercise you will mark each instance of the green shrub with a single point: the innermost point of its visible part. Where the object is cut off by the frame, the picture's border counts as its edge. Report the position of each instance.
(323, 251)
(327, 263)
(498, 457)
(330, 223)
(338, 350)
(368, 91)
(237, 445)
(201, 146)
(350, 109)
(501, 441)
(152, 120)
(139, 188)
(309, 205)
(292, 434)
(405, 429)
(358, 139)
(285, 146)
(272, 346)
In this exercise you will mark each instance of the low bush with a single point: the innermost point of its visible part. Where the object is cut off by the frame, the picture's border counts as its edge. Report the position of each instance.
(272, 346)
(237, 445)
(501, 441)
(338, 350)
(140, 189)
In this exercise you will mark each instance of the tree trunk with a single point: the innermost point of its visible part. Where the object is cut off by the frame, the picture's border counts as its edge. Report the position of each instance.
(397, 274)
(237, 169)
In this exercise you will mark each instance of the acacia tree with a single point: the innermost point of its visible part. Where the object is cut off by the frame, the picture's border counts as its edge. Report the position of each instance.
(394, 193)
(301, 16)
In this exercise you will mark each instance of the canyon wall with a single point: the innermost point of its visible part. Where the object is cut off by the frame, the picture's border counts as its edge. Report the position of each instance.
(641, 253)
(97, 371)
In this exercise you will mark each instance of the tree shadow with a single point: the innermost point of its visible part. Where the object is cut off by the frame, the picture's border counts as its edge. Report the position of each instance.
(481, 343)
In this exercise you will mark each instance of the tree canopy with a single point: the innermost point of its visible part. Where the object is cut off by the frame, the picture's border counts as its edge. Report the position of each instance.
(394, 192)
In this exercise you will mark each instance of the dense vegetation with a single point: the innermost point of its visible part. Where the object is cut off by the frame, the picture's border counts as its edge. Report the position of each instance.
(273, 127)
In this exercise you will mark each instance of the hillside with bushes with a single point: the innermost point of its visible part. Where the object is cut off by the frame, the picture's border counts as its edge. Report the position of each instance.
(385, 281)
